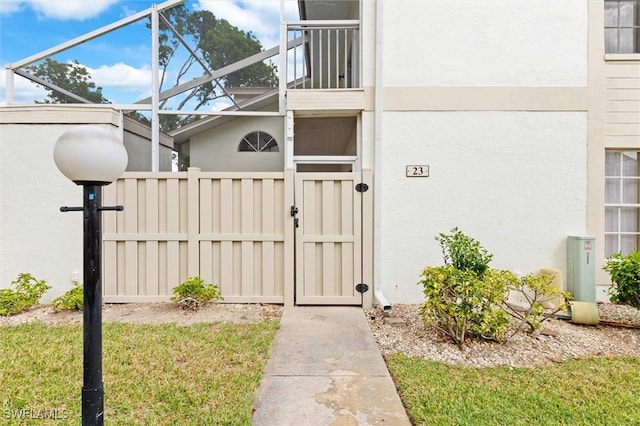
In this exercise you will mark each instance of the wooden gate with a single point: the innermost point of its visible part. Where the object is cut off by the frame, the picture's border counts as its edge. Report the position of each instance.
(333, 247)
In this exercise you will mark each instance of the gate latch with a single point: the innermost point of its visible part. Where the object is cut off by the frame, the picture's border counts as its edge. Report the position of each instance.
(294, 212)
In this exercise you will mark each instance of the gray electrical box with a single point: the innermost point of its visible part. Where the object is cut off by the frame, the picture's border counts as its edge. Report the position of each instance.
(581, 268)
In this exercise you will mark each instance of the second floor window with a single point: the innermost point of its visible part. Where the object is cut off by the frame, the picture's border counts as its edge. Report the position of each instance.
(622, 26)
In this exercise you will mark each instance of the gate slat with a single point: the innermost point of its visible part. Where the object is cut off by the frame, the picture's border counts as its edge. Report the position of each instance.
(152, 208)
(268, 269)
(328, 270)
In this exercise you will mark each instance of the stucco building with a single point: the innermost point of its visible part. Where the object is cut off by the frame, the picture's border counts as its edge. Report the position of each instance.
(518, 122)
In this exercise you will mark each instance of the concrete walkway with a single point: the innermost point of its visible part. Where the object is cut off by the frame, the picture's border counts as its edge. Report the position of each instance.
(326, 369)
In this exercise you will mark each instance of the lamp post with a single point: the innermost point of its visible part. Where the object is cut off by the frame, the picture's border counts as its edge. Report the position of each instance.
(92, 157)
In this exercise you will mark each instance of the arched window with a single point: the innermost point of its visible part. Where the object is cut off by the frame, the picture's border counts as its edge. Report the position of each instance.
(258, 142)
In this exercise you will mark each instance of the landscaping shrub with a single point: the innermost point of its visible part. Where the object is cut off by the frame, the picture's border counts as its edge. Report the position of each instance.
(464, 297)
(460, 303)
(28, 291)
(195, 292)
(72, 300)
(625, 278)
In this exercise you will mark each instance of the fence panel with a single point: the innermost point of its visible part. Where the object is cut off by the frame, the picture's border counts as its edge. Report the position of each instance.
(229, 228)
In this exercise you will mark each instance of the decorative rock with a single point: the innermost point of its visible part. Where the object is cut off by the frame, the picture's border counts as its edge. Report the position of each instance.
(396, 322)
(549, 332)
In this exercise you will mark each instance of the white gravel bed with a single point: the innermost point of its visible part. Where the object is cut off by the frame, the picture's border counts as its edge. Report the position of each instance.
(402, 331)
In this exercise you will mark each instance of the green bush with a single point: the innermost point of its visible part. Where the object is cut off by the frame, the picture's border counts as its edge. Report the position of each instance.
(463, 252)
(537, 291)
(460, 303)
(464, 297)
(195, 292)
(28, 291)
(625, 278)
(72, 300)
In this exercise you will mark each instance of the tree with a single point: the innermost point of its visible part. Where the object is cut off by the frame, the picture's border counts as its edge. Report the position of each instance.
(216, 41)
(219, 44)
(70, 76)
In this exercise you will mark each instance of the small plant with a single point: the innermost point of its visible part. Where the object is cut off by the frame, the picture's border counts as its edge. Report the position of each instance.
(72, 300)
(537, 291)
(195, 292)
(27, 293)
(625, 278)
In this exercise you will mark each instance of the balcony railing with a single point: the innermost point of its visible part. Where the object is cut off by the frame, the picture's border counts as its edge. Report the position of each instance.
(325, 55)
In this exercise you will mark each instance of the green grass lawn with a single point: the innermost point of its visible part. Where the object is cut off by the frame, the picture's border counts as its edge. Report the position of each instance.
(596, 391)
(204, 374)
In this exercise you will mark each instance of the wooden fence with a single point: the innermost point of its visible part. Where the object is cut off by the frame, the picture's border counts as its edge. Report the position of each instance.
(232, 229)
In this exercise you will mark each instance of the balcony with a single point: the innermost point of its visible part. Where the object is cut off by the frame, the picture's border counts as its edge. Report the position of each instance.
(323, 55)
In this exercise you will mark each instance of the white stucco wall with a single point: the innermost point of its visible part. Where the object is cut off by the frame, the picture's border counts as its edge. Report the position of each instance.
(516, 181)
(35, 237)
(217, 149)
(485, 43)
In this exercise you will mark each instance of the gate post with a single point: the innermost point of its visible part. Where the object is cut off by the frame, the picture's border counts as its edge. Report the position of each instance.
(289, 235)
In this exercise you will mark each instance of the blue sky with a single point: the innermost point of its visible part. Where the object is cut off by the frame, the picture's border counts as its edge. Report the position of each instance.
(119, 62)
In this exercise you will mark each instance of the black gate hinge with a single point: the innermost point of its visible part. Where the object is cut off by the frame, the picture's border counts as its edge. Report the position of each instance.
(362, 187)
(362, 288)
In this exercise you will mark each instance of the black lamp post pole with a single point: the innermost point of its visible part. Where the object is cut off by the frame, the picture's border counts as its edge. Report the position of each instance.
(92, 386)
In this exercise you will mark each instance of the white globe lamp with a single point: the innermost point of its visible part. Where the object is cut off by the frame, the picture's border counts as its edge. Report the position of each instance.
(90, 155)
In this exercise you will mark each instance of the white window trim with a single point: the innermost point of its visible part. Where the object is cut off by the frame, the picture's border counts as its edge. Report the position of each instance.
(619, 233)
(622, 57)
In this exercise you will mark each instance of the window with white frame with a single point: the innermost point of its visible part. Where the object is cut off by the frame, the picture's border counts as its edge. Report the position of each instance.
(622, 26)
(258, 142)
(622, 202)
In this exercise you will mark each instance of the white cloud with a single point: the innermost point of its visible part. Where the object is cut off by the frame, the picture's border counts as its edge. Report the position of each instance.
(121, 76)
(59, 9)
(261, 17)
(7, 7)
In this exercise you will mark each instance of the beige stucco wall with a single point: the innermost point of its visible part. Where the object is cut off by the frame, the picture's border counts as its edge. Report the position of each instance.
(500, 99)
(217, 149)
(139, 151)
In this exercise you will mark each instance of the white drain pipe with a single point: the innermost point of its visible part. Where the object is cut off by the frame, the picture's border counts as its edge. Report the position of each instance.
(378, 297)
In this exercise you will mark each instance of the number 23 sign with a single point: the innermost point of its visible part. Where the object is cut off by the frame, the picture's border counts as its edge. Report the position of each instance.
(418, 171)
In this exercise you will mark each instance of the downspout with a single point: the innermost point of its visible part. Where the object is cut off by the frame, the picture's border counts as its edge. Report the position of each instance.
(378, 297)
